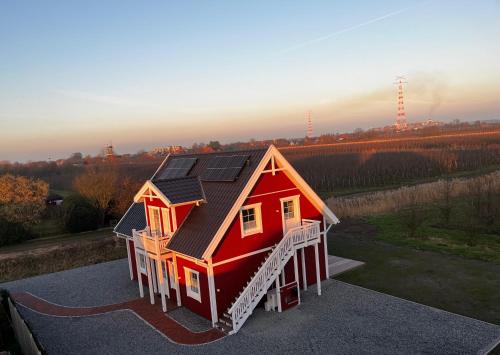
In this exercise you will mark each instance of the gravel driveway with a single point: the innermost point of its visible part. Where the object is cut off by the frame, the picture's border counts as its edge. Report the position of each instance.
(346, 319)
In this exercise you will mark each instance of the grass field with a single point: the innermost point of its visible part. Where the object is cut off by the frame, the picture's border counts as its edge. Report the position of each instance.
(453, 283)
(362, 190)
(435, 235)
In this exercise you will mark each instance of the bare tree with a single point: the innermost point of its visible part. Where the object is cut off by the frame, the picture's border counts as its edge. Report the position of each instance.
(127, 188)
(22, 199)
(99, 187)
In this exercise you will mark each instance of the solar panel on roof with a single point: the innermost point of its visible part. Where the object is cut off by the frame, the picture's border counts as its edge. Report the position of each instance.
(177, 167)
(224, 168)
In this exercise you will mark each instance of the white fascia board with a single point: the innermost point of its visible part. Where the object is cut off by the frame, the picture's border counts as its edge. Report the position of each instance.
(296, 178)
(237, 205)
(304, 187)
(150, 185)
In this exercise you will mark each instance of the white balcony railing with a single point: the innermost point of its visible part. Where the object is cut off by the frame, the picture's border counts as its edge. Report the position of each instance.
(153, 242)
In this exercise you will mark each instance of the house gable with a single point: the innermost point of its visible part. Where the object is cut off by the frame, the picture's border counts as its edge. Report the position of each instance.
(268, 192)
(275, 164)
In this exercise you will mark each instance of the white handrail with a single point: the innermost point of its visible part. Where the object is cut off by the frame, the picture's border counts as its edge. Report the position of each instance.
(151, 241)
(297, 237)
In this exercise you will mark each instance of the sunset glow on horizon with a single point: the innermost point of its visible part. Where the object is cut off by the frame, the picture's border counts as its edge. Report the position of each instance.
(78, 75)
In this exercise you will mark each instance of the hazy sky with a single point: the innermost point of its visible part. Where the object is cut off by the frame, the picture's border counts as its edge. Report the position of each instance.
(76, 75)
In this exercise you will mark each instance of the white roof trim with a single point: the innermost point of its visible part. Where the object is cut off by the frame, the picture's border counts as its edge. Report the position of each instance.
(149, 185)
(291, 173)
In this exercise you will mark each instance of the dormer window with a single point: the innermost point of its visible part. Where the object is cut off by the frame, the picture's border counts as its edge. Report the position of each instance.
(251, 220)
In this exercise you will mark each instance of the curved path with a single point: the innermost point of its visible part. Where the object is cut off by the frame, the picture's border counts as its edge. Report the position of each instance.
(149, 313)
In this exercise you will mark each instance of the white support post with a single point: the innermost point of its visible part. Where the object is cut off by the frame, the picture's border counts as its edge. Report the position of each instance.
(296, 271)
(139, 274)
(177, 287)
(283, 279)
(129, 257)
(303, 262)
(167, 277)
(273, 165)
(318, 280)
(161, 285)
(150, 282)
(325, 248)
(211, 291)
(154, 275)
(278, 297)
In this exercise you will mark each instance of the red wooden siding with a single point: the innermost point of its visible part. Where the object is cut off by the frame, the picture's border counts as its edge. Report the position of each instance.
(181, 212)
(231, 277)
(202, 308)
(234, 245)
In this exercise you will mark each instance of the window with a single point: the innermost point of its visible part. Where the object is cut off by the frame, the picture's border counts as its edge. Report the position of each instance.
(288, 209)
(142, 263)
(166, 220)
(171, 274)
(154, 219)
(192, 284)
(250, 219)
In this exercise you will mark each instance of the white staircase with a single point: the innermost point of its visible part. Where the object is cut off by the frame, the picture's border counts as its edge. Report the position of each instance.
(301, 236)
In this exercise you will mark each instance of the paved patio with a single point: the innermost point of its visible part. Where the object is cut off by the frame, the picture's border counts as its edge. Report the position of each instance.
(346, 319)
(338, 265)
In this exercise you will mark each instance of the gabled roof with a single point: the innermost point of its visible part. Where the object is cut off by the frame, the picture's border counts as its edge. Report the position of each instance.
(197, 232)
(180, 190)
(134, 218)
(206, 224)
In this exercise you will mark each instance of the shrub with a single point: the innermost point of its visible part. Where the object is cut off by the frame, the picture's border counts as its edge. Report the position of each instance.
(80, 215)
(12, 233)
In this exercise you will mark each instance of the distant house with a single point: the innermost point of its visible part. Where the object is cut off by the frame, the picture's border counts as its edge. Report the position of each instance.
(222, 233)
(54, 199)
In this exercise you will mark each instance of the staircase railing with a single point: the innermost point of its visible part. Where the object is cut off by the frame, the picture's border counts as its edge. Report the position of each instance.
(301, 236)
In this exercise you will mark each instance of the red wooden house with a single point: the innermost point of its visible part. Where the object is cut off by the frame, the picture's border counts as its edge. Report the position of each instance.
(221, 233)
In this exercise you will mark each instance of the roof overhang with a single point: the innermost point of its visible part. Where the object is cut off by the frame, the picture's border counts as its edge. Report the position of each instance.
(150, 190)
(303, 186)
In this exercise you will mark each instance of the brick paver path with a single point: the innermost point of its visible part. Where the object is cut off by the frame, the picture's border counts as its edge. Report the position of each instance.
(151, 314)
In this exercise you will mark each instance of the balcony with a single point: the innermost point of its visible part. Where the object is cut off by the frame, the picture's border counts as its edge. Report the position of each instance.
(153, 242)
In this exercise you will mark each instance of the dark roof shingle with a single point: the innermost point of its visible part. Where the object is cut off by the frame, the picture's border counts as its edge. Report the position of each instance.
(134, 218)
(180, 190)
(197, 232)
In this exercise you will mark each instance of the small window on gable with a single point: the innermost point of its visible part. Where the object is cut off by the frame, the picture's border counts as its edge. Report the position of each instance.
(250, 220)
(192, 284)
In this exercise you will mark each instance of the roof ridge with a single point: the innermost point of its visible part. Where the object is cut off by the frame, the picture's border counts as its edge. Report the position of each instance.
(177, 178)
(221, 152)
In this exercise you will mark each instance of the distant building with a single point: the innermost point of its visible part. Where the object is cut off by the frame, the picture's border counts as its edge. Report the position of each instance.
(173, 149)
(54, 199)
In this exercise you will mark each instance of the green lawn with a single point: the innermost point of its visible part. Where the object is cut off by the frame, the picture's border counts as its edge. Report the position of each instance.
(435, 235)
(57, 240)
(453, 283)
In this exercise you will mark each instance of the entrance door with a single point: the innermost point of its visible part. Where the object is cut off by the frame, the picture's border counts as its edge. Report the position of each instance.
(290, 211)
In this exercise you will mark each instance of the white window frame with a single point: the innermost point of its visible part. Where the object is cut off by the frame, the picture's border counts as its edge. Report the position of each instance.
(189, 291)
(142, 269)
(165, 220)
(171, 273)
(151, 219)
(258, 220)
(296, 200)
